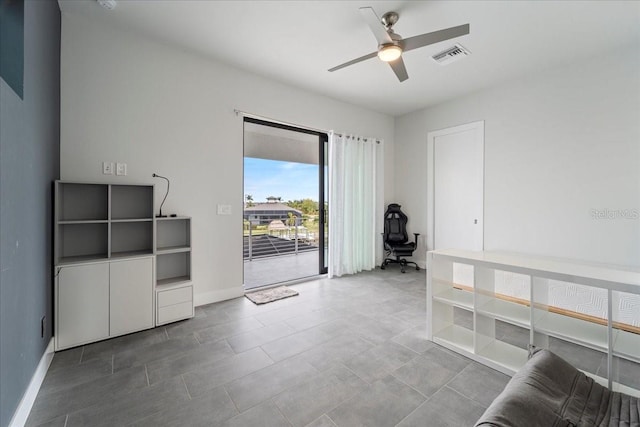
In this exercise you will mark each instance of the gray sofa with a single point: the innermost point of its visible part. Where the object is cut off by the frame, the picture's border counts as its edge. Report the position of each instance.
(549, 392)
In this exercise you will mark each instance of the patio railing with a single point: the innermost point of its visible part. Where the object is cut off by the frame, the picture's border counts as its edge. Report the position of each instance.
(267, 235)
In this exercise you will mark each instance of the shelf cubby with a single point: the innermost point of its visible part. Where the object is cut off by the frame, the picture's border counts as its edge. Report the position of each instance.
(507, 311)
(627, 344)
(82, 241)
(456, 297)
(173, 233)
(131, 237)
(82, 202)
(626, 375)
(131, 202)
(626, 340)
(489, 344)
(515, 335)
(569, 328)
(506, 355)
(173, 267)
(455, 336)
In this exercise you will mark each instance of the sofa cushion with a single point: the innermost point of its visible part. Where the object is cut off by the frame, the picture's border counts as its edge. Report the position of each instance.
(549, 392)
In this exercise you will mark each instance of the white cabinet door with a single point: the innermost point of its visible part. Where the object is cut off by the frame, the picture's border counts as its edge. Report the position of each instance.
(83, 304)
(131, 296)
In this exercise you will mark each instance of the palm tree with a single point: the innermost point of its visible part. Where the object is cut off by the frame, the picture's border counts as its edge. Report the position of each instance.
(249, 198)
(291, 221)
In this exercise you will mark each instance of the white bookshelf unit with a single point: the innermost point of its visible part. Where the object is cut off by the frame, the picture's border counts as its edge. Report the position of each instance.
(174, 290)
(562, 303)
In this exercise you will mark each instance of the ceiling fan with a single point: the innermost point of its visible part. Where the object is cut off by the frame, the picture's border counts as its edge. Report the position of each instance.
(391, 46)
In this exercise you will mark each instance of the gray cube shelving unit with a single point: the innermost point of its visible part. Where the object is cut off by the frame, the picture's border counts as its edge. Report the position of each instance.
(104, 261)
(174, 290)
(102, 221)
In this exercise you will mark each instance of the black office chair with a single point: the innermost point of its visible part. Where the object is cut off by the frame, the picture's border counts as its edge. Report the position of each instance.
(395, 238)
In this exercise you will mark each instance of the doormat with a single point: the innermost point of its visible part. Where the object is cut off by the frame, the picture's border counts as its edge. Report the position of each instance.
(270, 295)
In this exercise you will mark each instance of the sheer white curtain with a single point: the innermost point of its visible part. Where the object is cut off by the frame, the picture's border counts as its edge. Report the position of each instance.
(352, 203)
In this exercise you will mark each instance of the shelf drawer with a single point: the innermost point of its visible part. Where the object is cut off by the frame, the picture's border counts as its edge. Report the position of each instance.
(175, 296)
(171, 313)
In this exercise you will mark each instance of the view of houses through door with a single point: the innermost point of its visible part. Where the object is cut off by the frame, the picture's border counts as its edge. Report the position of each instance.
(284, 217)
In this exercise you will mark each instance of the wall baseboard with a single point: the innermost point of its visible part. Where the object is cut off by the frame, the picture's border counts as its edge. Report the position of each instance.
(29, 397)
(217, 296)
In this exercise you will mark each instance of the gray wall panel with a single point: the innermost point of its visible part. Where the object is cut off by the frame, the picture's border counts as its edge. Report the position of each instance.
(29, 162)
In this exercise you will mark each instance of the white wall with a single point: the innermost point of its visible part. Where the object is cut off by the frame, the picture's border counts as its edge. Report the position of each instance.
(160, 109)
(557, 145)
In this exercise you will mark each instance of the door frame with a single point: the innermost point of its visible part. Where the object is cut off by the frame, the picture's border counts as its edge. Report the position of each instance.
(323, 139)
(478, 127)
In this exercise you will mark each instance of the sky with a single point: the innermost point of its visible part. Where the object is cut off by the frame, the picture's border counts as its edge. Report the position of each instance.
(291, 181)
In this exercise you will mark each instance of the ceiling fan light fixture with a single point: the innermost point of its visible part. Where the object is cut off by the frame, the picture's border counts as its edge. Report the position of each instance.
(389, 52)
(108, 4)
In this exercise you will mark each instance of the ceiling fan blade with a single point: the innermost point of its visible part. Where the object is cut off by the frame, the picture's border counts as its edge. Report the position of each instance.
(376, 26)
(434, 37)
(354, 61)
(398, 67)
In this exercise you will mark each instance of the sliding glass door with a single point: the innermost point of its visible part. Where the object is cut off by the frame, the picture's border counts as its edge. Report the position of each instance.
(284, 216)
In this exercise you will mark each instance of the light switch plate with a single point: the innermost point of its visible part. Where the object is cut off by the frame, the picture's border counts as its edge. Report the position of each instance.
(107, 168)
(224, 209)
(121, 169)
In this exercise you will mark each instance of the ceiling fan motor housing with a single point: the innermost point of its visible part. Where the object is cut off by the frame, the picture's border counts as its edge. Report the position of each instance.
(389, 19)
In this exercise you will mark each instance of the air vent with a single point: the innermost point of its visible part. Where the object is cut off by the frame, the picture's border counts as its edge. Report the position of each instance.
(452, 54)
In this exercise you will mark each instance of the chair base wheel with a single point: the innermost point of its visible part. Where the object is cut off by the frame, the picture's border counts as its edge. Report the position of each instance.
(403, 263)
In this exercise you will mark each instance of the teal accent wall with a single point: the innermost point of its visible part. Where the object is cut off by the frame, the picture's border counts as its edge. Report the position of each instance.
(29, 162)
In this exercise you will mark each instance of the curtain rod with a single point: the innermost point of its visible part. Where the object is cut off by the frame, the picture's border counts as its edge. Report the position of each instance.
(269, 119)
(355, 137)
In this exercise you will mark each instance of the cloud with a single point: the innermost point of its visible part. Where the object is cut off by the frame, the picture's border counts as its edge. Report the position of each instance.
(289, 165)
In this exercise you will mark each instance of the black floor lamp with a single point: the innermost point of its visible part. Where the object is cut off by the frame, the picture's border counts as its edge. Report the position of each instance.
(155, 175)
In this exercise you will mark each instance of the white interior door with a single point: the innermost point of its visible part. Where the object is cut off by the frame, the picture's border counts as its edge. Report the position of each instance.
(458, 186)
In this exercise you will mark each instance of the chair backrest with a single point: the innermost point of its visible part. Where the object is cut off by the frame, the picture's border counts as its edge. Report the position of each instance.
(395, 225)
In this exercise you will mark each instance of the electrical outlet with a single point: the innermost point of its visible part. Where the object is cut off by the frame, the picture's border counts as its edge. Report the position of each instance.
(43, 324)
(107, 168)
(121, 169)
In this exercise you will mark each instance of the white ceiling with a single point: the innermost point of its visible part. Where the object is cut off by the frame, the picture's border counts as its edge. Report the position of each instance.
(295, 42)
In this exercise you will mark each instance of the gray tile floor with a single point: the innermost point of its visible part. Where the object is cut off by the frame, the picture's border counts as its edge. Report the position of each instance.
(345, 352)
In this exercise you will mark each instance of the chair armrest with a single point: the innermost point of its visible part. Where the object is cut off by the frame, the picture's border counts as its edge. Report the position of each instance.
(416, 238)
